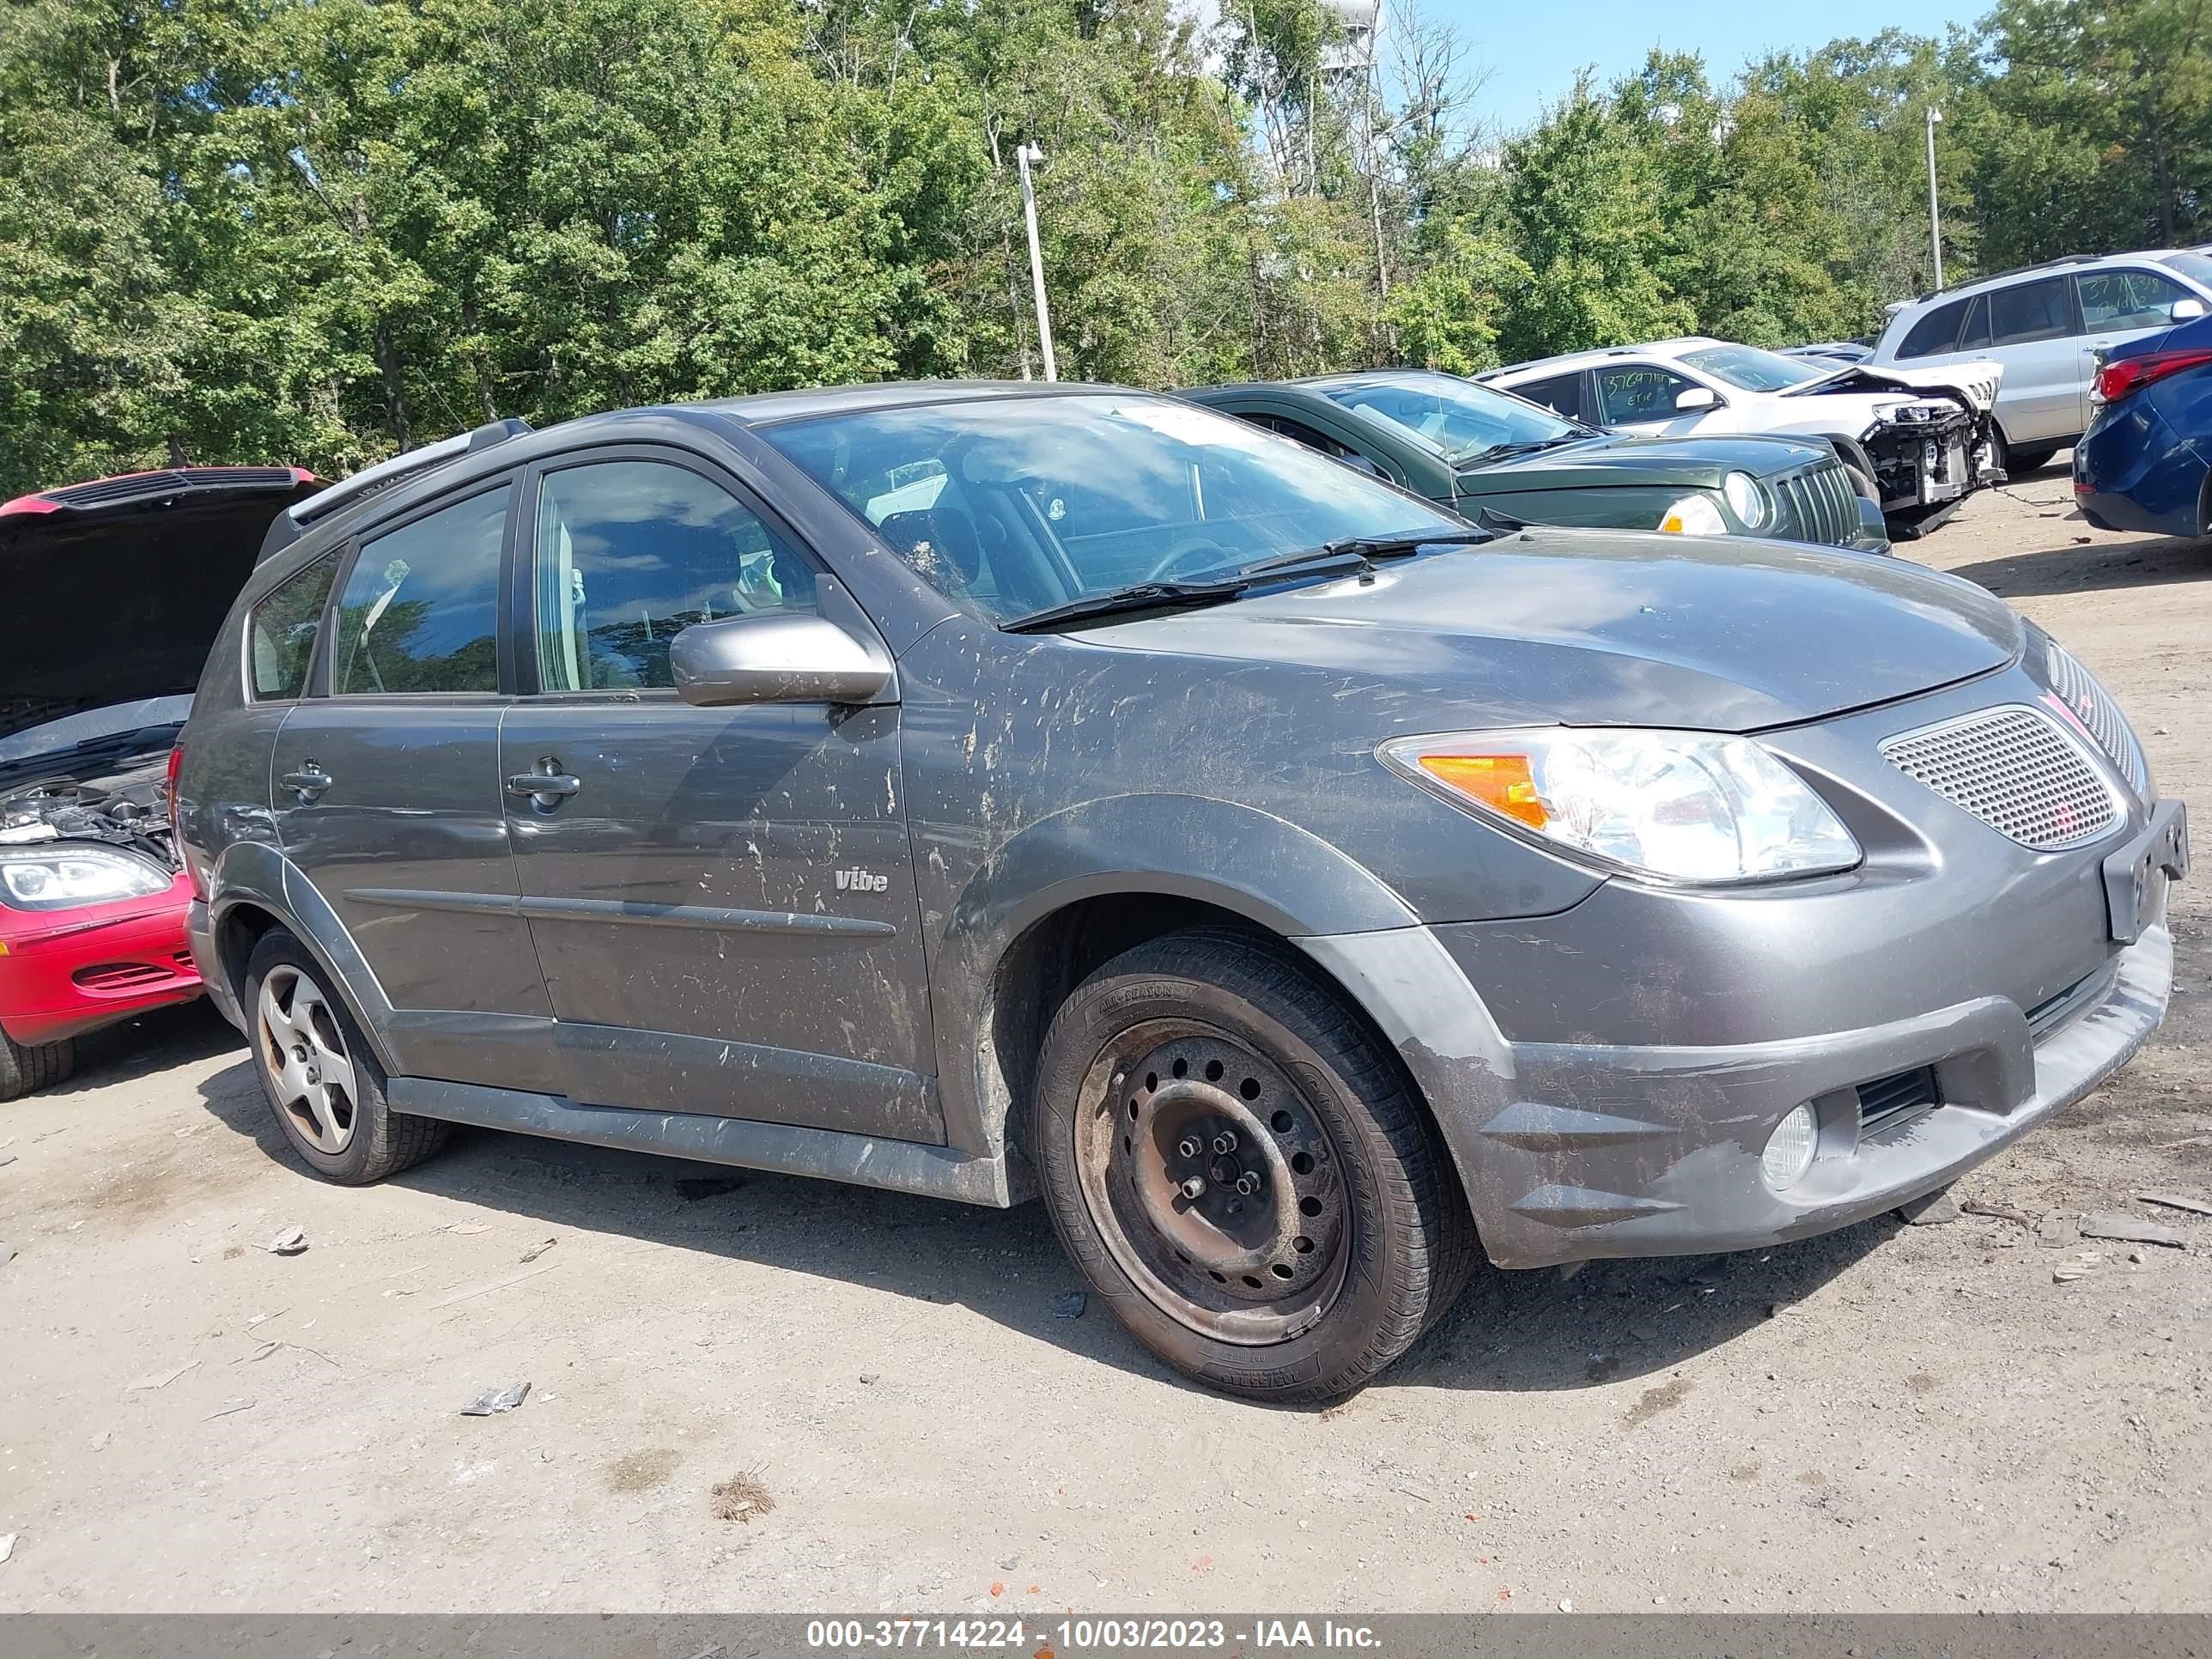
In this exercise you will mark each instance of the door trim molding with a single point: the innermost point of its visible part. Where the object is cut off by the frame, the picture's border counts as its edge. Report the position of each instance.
(631, 910)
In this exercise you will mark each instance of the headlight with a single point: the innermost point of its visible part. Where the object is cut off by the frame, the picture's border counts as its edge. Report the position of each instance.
(1694, 515)
(52, 879)
(2095, 712)
(1684, 806)
(1747, 498)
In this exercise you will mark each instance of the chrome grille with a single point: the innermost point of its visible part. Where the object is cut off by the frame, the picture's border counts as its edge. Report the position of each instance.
(2080, 692)
(1821, 503)
(2017, 770)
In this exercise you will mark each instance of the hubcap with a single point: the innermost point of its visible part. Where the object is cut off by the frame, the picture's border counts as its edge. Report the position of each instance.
(1216, 1184)
(304, 1057)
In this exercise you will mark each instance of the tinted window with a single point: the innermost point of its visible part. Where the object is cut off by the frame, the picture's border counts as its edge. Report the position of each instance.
(1976, 333)
(1049, 498)
(2030, 311)
(1637, 392)
(421, 610)
(280, 631)
(2128, 299)
(1935, 333)
(631, 553)
(1463, 421)
(1562, 393)
(1320, 442)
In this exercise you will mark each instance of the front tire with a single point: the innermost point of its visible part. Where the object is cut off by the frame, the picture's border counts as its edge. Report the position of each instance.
(1242, 1171)
(26, 1068)
(321, 1078)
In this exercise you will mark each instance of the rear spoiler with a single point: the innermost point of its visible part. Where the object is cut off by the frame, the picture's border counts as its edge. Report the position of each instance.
(302, 516)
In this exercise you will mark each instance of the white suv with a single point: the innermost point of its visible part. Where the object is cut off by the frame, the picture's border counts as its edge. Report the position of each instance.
(2046, 325)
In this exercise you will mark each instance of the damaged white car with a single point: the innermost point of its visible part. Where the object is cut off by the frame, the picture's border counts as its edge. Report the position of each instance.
(1916, 441)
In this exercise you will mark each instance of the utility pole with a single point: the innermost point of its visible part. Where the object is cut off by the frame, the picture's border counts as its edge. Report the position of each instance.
(1935, 213)
(1027, 154)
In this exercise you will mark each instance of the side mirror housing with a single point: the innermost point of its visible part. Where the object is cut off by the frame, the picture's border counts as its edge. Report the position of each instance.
(787, 657)
(2187, 311)
(1692, 398)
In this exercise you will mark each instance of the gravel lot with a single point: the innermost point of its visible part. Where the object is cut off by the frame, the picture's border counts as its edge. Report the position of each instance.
(1897, 1416)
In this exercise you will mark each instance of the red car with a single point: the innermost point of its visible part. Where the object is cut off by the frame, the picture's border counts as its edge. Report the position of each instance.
(115, 590)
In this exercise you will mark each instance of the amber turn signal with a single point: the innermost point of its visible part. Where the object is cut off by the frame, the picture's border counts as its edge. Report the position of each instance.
(1501, 782)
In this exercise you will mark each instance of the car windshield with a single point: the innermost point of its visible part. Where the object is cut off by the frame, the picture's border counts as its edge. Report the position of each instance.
(1755, 370)
(1017, 505)
(1460, 420)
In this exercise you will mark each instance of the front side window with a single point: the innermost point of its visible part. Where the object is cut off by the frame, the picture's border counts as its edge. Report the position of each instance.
(631, 553)
(1753, 369)
(2030, 311)
(1638, 392)
(280, 631)
(2128, 299)
(421, 610)
(1047, 500)
(1465, 422)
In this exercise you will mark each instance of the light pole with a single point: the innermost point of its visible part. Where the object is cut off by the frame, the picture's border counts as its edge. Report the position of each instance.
(1934, 215)
(1023, 156)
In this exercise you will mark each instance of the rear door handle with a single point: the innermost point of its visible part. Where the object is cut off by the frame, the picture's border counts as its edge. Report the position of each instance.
(309, 782)
(543, 786)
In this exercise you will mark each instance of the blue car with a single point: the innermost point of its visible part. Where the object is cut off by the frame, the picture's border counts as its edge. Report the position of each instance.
(2145, 460)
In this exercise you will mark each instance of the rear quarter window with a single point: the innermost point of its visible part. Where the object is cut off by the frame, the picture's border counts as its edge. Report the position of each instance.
(280, 631)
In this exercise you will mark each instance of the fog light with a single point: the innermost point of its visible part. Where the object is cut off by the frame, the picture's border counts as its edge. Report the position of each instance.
(1789, 1149)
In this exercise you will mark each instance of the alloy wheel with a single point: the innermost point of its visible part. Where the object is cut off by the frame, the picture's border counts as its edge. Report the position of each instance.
(304, 1054)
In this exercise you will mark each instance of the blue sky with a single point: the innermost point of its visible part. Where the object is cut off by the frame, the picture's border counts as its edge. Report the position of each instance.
(1532, 51)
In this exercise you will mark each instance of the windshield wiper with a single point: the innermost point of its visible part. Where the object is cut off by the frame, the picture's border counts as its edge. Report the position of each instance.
(1534, 446)
(1348, 552)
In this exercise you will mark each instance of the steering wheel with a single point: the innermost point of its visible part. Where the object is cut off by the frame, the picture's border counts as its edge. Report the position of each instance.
(1185, 548)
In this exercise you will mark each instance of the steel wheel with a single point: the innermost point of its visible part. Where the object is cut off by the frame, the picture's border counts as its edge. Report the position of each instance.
(1215, 1185)
(304, 1052)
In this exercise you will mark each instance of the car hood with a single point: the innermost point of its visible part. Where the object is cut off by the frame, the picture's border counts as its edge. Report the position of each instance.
(1975, 382)
(116, 589)
(1620, 458)
(1620, 628)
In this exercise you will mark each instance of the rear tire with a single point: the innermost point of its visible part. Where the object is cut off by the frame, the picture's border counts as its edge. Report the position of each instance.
(1328, 1230)
(320, 1077)
(26, 1069)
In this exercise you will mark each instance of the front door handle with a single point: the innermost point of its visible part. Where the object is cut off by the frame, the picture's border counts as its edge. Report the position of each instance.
(545, 786)
(309, 782)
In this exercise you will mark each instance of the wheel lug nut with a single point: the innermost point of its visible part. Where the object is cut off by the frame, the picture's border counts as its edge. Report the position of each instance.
(1189, 1147)
(1247, 1183)
(1193, 1188)
(1225, 1141)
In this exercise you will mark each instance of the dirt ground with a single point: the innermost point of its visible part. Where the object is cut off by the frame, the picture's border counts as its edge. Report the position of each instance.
(1897, 1416)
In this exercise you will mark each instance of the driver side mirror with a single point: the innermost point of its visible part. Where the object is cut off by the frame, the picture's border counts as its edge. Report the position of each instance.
(1693, 398)
(788, 656)
(2186, 310)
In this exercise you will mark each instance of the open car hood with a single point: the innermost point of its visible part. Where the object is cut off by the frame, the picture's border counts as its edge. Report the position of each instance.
(1975, 382)
(116, 588)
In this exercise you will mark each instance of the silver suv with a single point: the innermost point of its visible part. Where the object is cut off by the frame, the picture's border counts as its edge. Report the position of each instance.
(2046, 324)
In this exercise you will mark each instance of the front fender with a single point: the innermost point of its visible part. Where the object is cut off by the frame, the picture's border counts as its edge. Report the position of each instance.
(1243, 860)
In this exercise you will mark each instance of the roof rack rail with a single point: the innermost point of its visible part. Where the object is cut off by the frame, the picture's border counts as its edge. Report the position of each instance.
(408, 463)
(2056, 264)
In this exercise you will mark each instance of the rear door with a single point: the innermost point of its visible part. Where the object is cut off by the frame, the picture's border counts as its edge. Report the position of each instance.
(723, 899)
(387, 791)
(2034, 333)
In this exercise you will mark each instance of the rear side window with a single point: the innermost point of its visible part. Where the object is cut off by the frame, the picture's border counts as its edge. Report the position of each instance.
(421, 610)
(1562, 393)
(280, 631)
(2031, 311)
(1935, 333)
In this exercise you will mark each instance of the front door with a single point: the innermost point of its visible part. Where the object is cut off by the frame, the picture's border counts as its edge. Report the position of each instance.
(387, 795)
(722, 899)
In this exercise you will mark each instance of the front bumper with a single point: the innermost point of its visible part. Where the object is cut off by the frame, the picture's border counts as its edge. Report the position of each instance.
(64, 973)
(1608, 1078)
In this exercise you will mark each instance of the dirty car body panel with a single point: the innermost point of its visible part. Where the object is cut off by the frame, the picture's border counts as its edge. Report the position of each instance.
(810, 929)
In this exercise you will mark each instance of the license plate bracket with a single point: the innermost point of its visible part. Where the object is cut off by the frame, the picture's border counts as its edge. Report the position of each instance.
(2136, 876)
